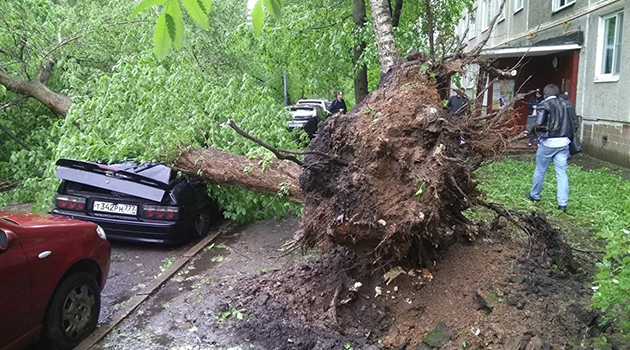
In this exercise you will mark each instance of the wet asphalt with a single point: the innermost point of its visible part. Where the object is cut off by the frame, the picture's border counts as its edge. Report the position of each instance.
(133, 266)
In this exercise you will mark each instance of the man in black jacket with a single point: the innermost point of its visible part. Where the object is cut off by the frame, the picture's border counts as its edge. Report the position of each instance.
(338, 105)
(556, 122)
(458, 104)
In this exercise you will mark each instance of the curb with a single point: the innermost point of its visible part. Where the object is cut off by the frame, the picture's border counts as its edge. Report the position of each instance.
(147, 291)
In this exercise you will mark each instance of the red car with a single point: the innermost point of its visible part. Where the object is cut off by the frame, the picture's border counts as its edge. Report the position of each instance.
(52, 271)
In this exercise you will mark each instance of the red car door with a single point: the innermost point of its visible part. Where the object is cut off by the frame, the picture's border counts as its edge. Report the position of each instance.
(15, 289)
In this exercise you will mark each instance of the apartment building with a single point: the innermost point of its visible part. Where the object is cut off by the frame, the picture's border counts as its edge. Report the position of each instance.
(583, 46)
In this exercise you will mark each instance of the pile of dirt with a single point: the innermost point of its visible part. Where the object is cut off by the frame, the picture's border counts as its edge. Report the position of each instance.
(391, 178)
(495, 294)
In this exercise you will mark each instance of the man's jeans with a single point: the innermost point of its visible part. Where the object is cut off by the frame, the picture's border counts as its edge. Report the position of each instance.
(560, 156)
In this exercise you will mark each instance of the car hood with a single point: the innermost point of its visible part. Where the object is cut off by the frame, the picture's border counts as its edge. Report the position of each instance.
(30, 220)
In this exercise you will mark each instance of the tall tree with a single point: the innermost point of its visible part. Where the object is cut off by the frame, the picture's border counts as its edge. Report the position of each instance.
(384, 34)
(396, 11)
(361, 78)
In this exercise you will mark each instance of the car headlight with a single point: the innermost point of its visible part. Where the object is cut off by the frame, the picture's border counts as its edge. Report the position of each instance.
(101, 232)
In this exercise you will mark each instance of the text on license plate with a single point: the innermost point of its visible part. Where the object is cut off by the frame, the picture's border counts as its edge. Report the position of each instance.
(107, 207)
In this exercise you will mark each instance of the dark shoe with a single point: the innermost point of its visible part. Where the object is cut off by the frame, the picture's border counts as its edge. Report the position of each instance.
(529, 196)
(563, 208)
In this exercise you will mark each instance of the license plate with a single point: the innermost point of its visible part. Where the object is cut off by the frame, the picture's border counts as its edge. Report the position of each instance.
(126, 209)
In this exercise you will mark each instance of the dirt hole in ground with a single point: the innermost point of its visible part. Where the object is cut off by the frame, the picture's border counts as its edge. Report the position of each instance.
(496, 293)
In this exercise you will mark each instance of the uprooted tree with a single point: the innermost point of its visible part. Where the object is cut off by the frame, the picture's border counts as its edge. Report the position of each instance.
(390, 178)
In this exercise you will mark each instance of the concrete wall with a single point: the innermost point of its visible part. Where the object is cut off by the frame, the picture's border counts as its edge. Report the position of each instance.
(603, 106)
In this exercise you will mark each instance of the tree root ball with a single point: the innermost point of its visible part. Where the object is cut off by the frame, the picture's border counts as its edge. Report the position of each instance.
(400, 175)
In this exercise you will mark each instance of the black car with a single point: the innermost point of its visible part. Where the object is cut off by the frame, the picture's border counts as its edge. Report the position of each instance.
(135, 202)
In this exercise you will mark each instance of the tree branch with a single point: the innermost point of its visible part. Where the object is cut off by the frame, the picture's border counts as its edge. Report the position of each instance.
(36, 88)
(14, 138)
(328, 25)
(427, 4)
(273, 150)
(396, 13)
(483, 42)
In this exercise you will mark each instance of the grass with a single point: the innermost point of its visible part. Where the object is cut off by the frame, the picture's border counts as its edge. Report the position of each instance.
(599, 206)
(598, 200)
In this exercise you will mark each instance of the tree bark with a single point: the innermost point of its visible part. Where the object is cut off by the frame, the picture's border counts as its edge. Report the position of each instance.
(427, 4)
(361, 79)
(396, 13)
(240, 171)
(36, 88)
(384, 34)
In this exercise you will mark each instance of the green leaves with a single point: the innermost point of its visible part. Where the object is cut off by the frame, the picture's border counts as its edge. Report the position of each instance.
(272, 6)
(145, 4)
(257, 17)
(161, 36)
(169, 27)
(196, 10)
(176, 27)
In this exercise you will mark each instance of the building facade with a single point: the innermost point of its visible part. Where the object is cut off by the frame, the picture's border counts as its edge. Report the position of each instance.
(582, 46)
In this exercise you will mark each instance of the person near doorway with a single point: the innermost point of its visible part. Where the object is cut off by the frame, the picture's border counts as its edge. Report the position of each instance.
(338, 105)
(555, 121)
(458, 104)
(533, 102)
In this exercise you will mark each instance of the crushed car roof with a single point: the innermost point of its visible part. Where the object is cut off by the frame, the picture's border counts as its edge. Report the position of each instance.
(149, 181)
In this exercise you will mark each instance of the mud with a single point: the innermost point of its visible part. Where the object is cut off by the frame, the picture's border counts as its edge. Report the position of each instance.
(243, 293)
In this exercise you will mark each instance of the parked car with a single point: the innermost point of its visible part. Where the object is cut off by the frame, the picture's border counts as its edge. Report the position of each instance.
(52, 271)
(135, 202)
(324, 104)
(306, 117)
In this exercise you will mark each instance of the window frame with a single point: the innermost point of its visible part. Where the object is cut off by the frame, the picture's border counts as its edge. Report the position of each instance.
(555, 5)
(518, 8)
(486, 12)
(613, 76)
(472, 32)
(501, 17)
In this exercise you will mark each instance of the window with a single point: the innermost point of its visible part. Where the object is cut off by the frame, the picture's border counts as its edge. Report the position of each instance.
(502, 15)
(464, 24)
(558, 5)
(518, 5)
(486, 14)
(609, 47)
(472, 32)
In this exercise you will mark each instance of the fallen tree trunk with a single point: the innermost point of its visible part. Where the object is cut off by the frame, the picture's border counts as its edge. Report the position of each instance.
(240, 171)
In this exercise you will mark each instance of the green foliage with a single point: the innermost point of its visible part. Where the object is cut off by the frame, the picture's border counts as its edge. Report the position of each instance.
(232, 313)
(128, 105)
(134, 107)
(599, 200)
(169, 27)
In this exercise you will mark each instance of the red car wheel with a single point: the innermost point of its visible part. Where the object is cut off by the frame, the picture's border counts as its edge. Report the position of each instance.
(73, 312)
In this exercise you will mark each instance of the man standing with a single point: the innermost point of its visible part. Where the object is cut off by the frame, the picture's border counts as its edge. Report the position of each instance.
(338, 105)
(555, 123)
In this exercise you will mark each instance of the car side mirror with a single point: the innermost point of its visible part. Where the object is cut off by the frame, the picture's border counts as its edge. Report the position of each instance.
(4, 241)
